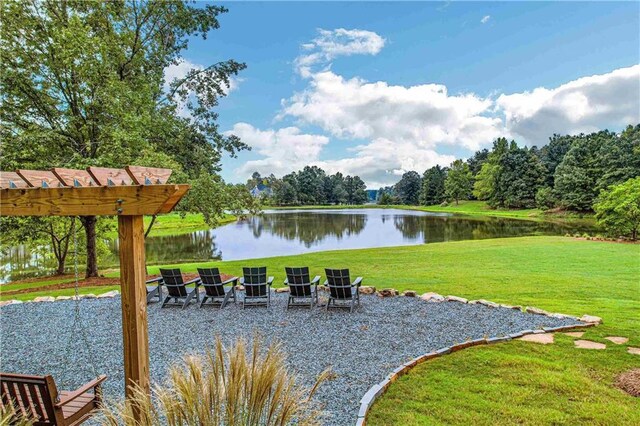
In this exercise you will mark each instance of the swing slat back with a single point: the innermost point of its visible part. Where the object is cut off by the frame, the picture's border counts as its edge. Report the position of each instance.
(37, 398)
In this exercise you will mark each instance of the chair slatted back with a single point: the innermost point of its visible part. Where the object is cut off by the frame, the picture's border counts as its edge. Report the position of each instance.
(255, 281)
(174, 282)
(299, 281)
(212, 281)
(31, 396)
(339, 283)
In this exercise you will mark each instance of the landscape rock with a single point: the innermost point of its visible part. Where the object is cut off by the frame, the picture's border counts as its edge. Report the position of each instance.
(44, 299)
(112, 293)
(634, 351)
(432, 297)
(588, 344)
(591, 319)
(388, 292)
(545, 339)
(575, 333)
(63, 298)
(409, 293)
(537, 311)
(488, 303)
(239, 288)
(10, 302)
(617, 340)
(367, 289)
(515, 307)
(455, 299)
(88, 296)
(282, 290)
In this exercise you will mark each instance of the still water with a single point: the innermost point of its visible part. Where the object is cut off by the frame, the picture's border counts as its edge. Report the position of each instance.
(289, 232)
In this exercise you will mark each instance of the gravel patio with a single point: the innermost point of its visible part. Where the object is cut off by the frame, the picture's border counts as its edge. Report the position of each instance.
(361, 348)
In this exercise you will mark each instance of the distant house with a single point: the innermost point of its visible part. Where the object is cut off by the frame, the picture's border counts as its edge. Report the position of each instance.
(261, 190)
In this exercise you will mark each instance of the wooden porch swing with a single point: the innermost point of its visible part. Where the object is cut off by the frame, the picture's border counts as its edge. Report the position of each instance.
(128, 193)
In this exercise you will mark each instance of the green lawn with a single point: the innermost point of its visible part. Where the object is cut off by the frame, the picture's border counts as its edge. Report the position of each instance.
(174, 224)
(515, 382)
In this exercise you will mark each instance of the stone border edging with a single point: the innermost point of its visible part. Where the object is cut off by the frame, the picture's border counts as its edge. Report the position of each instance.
(380, 388)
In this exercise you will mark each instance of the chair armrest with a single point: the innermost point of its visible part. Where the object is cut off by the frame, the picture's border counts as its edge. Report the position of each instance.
(195, 280)
(326, 282)
(230, 280)
(270, 281)
(286, 281)
(154, 280)
(357, 282)
(81, 390)
(241, 280)
(316, 280)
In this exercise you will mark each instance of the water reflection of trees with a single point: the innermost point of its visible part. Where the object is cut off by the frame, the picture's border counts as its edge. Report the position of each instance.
(22, 261)
(195, 246)
(307, 228)
(451, 228)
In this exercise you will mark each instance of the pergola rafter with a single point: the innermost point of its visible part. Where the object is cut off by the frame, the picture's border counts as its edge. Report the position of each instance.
(128, 193)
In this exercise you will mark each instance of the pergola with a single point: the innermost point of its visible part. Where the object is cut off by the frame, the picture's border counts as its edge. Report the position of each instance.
(128, 193)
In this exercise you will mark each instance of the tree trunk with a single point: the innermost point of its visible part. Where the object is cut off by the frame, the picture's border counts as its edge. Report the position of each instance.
(89, 223)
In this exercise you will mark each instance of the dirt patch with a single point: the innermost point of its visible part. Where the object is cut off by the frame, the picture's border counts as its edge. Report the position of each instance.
(85, 282)
(629, 381)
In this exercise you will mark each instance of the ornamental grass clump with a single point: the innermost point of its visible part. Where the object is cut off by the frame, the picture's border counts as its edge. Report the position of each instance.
(227, 386)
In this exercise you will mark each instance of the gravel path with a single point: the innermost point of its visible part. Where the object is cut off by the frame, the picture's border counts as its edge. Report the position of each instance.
(362, 347)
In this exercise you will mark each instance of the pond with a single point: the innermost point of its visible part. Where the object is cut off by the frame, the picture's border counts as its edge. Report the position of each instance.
(290, 232)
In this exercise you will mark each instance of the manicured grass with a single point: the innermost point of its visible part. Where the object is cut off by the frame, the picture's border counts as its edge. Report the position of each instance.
(514, 383)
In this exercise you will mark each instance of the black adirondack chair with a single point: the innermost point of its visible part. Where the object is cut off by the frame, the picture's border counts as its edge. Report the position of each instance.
(214, 287)
(154, 290)
(301, 286)
(341, 289)
(257, 287)
(177, 288)
(38, 398)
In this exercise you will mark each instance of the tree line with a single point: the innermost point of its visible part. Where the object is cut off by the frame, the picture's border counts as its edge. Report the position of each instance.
(568, 173)
(310, 186)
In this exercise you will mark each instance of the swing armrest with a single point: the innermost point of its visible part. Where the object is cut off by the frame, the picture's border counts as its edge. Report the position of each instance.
(95, 383)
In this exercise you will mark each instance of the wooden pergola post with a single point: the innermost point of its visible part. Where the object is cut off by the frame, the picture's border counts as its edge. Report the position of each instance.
(134, 303)
(127, 193)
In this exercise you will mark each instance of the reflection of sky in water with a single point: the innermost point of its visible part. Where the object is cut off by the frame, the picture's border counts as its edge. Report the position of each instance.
(280, 233)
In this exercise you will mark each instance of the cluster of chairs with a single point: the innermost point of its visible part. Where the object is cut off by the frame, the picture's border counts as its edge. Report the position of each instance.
(303, 291)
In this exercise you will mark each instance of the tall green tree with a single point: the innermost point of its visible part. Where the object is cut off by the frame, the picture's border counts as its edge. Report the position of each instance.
(433, 191)
(485, 185)
(355, 189)
(83, 85)
(408, 188)
(520, 176)
(578, 173)
(553, 153)
(618, 209)
(458, 182)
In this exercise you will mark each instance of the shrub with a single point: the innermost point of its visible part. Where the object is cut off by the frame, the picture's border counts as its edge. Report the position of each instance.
(618, 209)
(545, 198)
(225, 387)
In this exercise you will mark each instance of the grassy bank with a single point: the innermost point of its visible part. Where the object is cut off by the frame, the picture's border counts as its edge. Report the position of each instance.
(470, 208)
(516, 382)
(174, 224)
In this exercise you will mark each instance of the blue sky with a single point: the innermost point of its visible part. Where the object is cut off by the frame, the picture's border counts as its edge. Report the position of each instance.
(376, 89)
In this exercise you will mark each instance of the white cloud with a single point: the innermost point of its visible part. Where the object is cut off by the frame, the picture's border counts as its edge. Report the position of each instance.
(485, 19)
(425, 115)
(583, 105)
(331, 44)
(405, 127)
(285, 150)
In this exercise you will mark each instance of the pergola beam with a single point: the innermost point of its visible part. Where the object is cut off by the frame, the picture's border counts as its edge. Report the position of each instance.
(91, 200)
